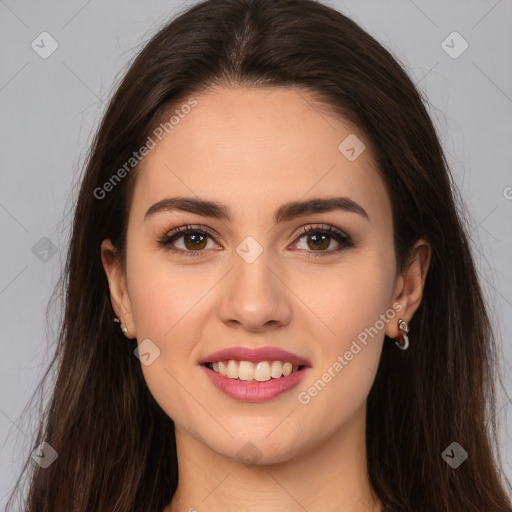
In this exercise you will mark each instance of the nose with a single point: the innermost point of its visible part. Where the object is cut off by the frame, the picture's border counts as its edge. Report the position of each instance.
(254, 296)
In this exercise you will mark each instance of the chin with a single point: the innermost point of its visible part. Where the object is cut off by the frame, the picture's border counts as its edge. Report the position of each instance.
(253, 451)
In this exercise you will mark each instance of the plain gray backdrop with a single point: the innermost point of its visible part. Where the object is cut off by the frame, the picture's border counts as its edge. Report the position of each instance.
(51, 106)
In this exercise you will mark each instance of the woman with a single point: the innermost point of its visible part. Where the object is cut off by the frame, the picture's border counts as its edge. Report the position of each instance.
(271, 302)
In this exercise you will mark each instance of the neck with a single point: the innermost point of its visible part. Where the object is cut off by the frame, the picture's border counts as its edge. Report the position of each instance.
(329, 475)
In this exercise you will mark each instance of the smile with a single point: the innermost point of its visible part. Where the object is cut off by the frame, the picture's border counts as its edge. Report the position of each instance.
(248, 382)
(258, 372)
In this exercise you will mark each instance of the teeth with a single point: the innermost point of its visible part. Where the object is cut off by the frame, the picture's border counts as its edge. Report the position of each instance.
(259, 372)
(232, 369)
(276, 369)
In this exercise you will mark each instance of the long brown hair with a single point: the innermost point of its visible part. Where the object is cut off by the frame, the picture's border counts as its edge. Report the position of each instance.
(116, 447)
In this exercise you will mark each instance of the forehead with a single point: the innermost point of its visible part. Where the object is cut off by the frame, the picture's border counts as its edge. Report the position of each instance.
(253, 149)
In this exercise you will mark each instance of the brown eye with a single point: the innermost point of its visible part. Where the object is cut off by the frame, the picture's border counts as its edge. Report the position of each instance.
(194, 241)
(319, 239)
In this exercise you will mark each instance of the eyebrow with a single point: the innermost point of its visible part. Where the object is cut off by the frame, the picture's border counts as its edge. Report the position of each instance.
(284, 213)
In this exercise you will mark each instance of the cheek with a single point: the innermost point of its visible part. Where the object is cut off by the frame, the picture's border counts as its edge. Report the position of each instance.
(353, 309)
(362, 321)
(163, 312)
(366, 297)
(162, 295)
(348, 298)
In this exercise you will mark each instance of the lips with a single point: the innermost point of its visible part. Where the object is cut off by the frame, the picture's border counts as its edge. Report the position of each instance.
(255, 391)
(255, 355)
(251, 391)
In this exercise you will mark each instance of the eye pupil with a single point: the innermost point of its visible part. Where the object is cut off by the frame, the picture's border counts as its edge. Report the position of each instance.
(319, 240)
(196, 239)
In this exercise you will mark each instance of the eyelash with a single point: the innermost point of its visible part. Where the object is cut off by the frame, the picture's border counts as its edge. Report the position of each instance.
(344, 240)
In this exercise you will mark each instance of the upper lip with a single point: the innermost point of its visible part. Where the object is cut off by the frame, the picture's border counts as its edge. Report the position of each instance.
(255, 355)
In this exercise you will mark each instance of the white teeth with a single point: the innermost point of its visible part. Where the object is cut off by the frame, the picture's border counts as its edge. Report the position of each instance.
(260, 372)
(232, 369)
(277, 369)
(245, 370)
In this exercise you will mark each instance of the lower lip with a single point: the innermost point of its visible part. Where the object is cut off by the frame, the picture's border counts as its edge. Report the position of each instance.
(246, 391)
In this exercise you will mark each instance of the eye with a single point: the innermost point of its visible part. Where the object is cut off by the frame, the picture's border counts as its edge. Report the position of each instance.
(319, 238)
(195, 239)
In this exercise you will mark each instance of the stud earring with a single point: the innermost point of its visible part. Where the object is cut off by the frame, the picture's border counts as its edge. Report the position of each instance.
(403, 342)
(124, 330)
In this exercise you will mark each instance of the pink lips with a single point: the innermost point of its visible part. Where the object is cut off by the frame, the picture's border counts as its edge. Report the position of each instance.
(245, 391)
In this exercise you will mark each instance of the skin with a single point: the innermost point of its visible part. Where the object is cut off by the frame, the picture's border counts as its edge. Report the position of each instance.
(253, 150)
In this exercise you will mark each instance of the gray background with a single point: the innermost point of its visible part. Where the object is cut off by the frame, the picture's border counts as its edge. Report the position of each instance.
(50, 108)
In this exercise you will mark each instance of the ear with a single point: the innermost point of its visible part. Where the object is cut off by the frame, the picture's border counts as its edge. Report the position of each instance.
(117, 284)
(408, 289)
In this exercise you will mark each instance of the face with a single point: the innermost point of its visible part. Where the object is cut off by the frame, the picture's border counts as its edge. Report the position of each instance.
(250, 280)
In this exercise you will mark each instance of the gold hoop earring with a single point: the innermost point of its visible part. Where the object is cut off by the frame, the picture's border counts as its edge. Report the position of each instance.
(403, 342)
